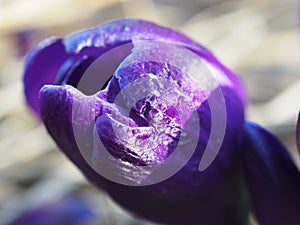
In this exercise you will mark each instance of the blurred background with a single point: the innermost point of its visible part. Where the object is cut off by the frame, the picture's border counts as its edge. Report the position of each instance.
(257, 39)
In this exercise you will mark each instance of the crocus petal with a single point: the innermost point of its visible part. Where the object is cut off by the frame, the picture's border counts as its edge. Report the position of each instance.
(39, 70)
(119, 32)
(298, 133)
(203, 191)
(56, 109)
(45, 61)
(272, 177)
(49, 63)
(186, 198)
(213, 197)
(78, 122)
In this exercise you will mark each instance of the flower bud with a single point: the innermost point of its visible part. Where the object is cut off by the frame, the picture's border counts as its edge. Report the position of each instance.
(158, 128)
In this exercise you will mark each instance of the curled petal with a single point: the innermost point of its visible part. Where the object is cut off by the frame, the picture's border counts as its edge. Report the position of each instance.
(86, 126)
(56, 109)
(119, 32)
(40, 70)
(214, 196)
(272, 177)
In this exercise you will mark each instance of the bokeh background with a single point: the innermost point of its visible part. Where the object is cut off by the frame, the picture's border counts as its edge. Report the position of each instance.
(258, 39)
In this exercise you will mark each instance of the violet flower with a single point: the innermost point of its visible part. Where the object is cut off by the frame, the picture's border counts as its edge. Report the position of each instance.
(142, 129)
(272, 178)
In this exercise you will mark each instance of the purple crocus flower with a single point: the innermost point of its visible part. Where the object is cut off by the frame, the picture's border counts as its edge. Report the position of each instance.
(70, 210)
(161, 92)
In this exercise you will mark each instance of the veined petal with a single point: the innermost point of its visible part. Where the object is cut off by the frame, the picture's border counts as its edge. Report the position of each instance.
(272, 177)
(57, 114)
(45, 61)
(79, 123)
(202, 191)
(116, 33)
(214, 196)
(49, 63)
(41, 68)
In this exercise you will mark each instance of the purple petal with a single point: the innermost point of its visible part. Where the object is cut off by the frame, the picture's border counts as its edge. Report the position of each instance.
(56, 109)
(116, 33)
(44, 62)
(41, 68)
(49, 63)
(272, 177)
(203, 192)
(214, 196)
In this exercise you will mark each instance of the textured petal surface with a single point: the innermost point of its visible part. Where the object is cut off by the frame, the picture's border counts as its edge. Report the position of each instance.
(272, 177)
(115, 33)
(118, 32)
(214, 197)
(56, 109)
(64, 107)
(84, 126)
(42, 68)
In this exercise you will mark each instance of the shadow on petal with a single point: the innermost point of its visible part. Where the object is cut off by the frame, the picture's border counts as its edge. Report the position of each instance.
(41, 68)
(54, 57)
(272, 177)
(213, 197)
